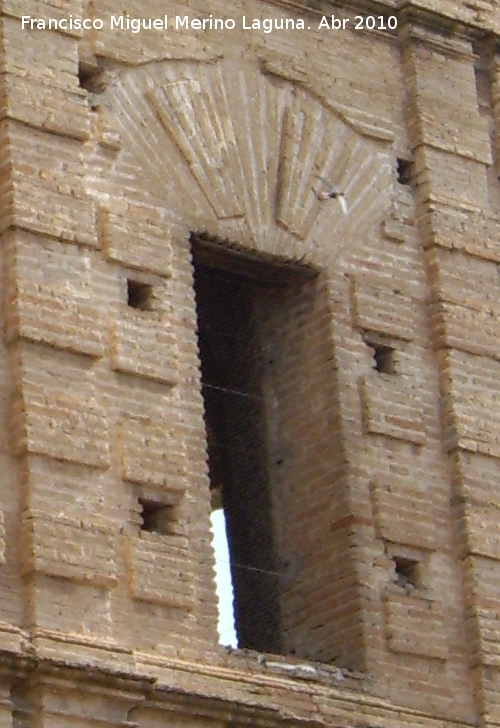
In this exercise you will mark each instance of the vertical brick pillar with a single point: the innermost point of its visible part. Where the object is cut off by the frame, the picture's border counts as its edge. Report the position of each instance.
(95, 428)
(56, 699)
(459, 232)
(54, 330)
(5, 703)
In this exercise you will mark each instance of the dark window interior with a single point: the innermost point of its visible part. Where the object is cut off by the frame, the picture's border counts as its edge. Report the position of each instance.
(233, 295)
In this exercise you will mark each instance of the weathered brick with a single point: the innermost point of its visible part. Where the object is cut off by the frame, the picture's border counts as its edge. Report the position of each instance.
(70, 548)
(368, 494)
(159, 571)
(392, 407)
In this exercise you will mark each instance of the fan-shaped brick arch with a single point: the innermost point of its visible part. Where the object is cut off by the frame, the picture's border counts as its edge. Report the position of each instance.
(231, 150)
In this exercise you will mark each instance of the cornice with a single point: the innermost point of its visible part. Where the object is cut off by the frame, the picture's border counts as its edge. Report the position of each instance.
(229, 695)
(460, 23)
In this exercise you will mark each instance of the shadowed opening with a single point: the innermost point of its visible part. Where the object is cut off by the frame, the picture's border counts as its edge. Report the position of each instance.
(407, 571)
(237, 296)
(405, 171)
(383, 357)
(139, 295)
(156, 517)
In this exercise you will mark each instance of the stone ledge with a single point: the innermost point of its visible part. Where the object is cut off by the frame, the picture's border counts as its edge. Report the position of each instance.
(206, 690)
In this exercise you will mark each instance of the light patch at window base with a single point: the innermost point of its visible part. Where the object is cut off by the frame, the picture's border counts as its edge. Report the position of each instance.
(223, 581)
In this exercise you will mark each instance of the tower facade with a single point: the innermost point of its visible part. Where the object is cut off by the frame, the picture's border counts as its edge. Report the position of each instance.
(250, 259)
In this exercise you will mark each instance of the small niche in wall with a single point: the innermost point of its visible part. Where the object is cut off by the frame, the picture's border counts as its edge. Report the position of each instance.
(156, 517)
(139, 295)
(87, 73)
(84, 76)
(407, 572)
(405, 171)
(384, 359)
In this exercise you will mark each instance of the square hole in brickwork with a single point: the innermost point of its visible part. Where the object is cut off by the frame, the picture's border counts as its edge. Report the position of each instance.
(384, 360)
(156, 517)
(87, 74)
(139, 295)
(404, 171)
(407, 572)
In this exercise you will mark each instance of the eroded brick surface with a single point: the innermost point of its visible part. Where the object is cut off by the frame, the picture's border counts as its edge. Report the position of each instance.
(365, 446)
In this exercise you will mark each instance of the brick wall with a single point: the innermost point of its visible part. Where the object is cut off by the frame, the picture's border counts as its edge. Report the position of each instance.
(378, 367)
